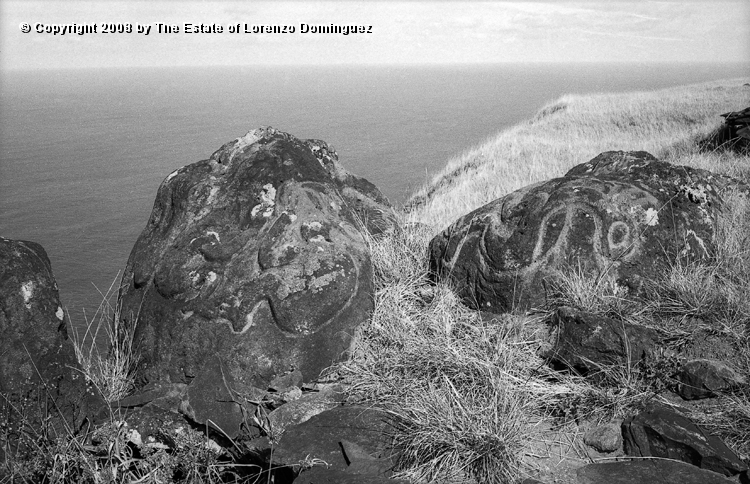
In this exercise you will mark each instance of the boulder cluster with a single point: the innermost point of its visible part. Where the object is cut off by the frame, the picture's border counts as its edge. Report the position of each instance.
(734, 134)
(253, 275)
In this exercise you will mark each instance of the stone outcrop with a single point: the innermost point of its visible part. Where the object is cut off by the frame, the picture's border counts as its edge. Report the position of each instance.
(619, 218)
(648, 471)
(590, 343)
(659, 431)
(40, 380)
(734, 134)
(252, 270)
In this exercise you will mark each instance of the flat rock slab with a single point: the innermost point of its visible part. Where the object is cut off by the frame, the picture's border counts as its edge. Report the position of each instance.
(621, 217)
(353, 439)
(322, 475)
(255, 256)
(656, 471)
(589, 343)
(659, 431)
(303, 409)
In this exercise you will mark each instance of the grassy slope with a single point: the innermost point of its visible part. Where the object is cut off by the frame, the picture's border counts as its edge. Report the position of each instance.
(573, 130)
(474, 400)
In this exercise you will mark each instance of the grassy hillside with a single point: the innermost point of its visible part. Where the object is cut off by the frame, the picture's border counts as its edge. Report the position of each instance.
(473, 398)
(573, 130)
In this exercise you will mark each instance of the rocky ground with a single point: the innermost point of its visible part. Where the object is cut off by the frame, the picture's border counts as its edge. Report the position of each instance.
(258, 271)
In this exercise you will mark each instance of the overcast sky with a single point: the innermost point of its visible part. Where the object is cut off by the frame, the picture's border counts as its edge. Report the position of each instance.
(402, 32)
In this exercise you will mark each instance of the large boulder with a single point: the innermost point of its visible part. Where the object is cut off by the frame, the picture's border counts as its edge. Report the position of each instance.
(252, 268)
(621, 217)
(40, 380)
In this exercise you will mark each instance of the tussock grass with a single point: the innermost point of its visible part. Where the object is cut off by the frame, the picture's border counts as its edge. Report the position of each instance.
(441, 371)
(466, 393)
(112, 373)
(471, 396)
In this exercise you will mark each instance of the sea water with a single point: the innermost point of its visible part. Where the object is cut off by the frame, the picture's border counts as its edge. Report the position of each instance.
(82, 152)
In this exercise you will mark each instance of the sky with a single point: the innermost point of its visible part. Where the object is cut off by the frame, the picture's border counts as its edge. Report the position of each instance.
(401, 32)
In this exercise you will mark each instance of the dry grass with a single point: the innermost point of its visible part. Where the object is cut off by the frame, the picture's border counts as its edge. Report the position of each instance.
(453, 383)
(573, 130)
(470, 397)
(112, 372)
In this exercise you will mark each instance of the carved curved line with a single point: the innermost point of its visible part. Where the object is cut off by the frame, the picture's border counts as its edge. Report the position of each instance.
(249, 324)
(536, 254)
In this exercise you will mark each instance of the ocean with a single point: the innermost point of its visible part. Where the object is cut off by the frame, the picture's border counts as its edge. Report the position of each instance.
(82, 152)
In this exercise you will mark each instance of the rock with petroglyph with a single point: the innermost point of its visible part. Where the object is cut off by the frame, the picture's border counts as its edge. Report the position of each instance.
(621, 217)
(253, 265)
(40, 380)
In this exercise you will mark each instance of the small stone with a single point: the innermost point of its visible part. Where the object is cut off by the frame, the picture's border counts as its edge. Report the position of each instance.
(604, 438)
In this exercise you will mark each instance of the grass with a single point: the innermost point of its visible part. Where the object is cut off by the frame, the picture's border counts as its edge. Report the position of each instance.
(111, 373)
(575, 128)
(453, 383)
(471, 397)
(112, 452)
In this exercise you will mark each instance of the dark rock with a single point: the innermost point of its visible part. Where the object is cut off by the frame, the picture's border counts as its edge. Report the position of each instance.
(659, 431)
(734, 134)
(210, 399)
(304, 408)
(153, 426)
(648, 472)
(589, 343)
(352, 439)
(40, 380)
(621, 218)
(604, 438)
(704, 378)
(322, 475)
(254, 256)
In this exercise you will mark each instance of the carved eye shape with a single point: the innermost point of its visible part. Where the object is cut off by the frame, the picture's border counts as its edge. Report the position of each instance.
(619, 238)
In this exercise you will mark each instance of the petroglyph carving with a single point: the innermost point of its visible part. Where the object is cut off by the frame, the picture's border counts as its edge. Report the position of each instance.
(623, 216)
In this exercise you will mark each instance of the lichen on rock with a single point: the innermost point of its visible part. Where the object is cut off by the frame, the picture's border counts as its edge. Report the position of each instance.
(255, 255)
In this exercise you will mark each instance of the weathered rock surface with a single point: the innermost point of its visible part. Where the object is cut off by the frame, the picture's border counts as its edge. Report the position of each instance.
(619, 217)
(659, 431)
(589, 343)
(648, 472)
(252, 267)
(322, 475)
(604, 438)
(352, 440)
(304, 408)
(40, 380)
(703, 378)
